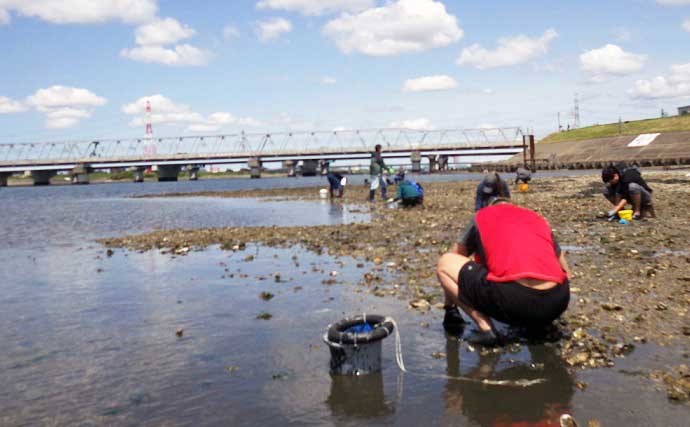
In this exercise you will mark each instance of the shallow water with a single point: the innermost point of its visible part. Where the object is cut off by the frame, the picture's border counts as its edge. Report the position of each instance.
(89, 339)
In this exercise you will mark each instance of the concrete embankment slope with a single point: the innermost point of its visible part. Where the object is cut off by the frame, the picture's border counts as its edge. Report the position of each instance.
(663, 149)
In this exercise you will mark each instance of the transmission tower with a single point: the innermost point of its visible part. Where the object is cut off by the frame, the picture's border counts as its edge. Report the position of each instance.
(576, 112)
(149, 129)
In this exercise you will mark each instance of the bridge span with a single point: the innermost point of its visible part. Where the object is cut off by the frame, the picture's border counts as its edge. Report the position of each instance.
(311, 150)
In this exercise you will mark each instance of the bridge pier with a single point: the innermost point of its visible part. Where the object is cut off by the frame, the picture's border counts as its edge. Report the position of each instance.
(168, 172)
(416, 159)
(80, 174)
(324, 166)
(254, 164)
(3, 178)
(309, 167)
(138, 173)
(289, 166)
(433, 164)
(42, 177)
(193, 173)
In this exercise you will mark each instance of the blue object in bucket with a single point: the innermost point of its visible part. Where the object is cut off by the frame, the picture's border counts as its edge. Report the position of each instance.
(359, 329)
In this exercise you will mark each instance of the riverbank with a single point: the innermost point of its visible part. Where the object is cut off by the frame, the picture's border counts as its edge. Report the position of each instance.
(632, 282)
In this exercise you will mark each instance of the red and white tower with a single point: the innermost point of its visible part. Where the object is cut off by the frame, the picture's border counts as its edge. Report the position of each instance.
(149, 128)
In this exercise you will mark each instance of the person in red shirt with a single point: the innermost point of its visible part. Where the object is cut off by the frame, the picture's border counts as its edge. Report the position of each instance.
(519, 275)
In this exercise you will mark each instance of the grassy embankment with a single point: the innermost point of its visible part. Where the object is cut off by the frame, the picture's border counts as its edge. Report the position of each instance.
(666, 124)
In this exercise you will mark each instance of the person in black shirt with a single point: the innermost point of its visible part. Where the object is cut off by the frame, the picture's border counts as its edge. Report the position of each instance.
(624, 184)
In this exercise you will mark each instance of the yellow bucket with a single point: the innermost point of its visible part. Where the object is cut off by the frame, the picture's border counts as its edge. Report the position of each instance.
(523, 187)
(625, 214)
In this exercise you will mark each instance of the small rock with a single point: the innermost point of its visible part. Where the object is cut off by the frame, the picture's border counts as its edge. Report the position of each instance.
(179, 332)
(266, 296)
(420, 304)
(264, 316)
(438, 355)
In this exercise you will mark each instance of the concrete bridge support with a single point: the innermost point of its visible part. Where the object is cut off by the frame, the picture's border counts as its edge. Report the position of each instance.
(42, 177)
(3, 178)
(80, 174)
(324, 166)
(254, 164)
(193, 173)
(309, 167)
(289, 166)
(433, 164)
(416, 159)
(138, 173)
(168, 172)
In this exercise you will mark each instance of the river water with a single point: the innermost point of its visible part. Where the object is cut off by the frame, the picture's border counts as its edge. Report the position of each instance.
(90, 339)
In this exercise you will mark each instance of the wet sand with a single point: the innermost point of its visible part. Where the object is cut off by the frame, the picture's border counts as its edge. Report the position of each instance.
(631, 284)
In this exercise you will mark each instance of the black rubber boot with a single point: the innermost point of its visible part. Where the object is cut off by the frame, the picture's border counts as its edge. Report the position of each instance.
(372, 194)
(453, 322)
(484, 338)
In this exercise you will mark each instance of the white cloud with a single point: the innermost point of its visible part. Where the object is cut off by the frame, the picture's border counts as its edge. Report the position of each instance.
(610, 60)
(316, 7)
(673, 2)
(8, 105)
(165, 111)
(675, 85)
(398, 27)
(64, 106)
(327, 80)
(64, 96)
(4, 17)
(181, 55)
(270, 30)
(429, 83)
(162, 32)
(510, 51)
(230, 32)
(65, 117)
(416, 124)
(83, 11)
(686, 25)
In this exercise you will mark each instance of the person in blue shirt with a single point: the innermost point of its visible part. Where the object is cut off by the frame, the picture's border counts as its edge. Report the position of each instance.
(491, 186)
(409, 193)
(335, 181)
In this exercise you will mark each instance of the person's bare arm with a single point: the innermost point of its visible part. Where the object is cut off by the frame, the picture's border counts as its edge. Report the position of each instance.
(565, 266)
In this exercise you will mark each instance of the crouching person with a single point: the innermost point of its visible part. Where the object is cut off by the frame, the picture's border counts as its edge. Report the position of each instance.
(409, 193)
(625, 185)
(335, 183)
(520, 276)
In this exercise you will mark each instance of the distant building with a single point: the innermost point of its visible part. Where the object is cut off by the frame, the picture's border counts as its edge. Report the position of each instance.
(684, 110)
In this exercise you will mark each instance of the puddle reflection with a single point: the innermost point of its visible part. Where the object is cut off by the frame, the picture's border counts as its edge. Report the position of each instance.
(492, 405)
(359, 396)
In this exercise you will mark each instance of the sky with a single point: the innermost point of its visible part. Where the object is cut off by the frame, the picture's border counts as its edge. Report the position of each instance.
(84, 69)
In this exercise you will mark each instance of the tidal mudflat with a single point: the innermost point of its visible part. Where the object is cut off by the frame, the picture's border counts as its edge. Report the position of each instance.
(632, 282)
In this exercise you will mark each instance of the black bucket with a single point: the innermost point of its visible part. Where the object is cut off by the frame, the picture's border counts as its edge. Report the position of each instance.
(355, 344)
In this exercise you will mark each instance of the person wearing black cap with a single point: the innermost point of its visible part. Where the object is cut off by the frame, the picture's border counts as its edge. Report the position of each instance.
(491, 186)
(625, 185)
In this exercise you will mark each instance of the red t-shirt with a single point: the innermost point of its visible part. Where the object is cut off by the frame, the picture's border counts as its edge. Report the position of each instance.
(517, 244)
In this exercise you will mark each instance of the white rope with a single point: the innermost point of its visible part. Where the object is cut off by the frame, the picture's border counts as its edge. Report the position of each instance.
(398, 345)
(510, 383)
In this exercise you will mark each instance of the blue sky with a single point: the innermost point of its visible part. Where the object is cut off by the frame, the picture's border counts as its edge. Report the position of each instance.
(81, 69)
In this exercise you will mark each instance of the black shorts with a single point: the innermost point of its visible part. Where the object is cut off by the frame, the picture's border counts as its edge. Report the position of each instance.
(411, 201)
(511, 302)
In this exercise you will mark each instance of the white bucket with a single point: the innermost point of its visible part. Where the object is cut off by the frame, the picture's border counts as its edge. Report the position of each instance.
(323, 193)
